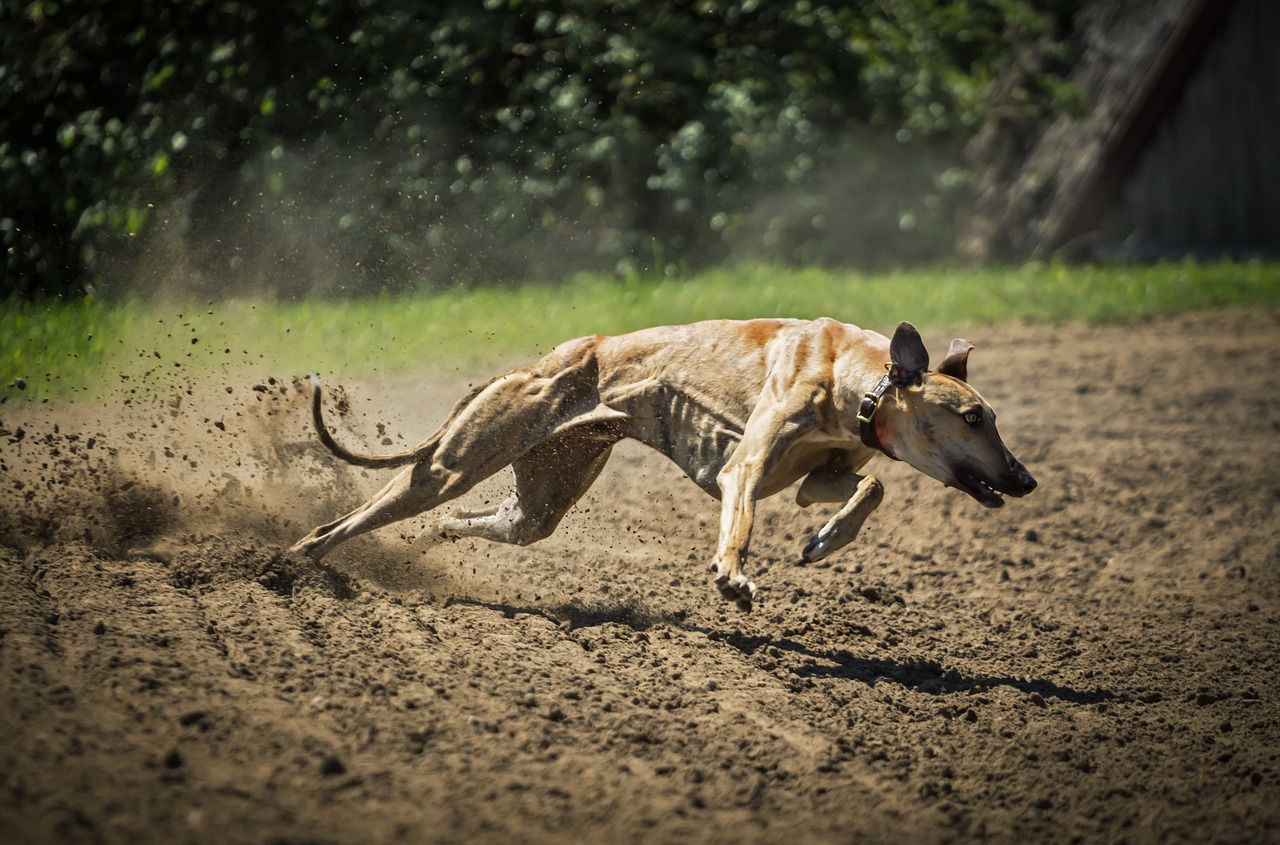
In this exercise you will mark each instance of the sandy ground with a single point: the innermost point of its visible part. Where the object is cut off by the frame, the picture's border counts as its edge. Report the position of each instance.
(1098, 662)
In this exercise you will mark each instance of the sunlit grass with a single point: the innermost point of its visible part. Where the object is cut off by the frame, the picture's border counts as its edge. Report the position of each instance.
(59, 348)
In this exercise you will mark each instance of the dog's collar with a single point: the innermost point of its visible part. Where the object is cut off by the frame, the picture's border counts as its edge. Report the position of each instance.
(867, 413)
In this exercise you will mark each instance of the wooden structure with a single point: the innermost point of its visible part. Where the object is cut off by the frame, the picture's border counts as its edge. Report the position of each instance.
(1177, 152)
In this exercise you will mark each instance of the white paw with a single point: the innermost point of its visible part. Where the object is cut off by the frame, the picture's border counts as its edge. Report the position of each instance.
(818, 548)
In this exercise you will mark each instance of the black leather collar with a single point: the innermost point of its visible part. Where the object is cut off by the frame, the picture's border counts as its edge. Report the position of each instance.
(867, 412)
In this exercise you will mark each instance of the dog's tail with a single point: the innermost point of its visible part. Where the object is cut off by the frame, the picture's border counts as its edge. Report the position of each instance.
(397, 459)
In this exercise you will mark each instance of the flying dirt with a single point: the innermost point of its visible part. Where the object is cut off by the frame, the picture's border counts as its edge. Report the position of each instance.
(1098, 663)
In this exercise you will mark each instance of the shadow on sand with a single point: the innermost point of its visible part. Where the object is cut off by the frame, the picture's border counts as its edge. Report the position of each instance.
(925, 676)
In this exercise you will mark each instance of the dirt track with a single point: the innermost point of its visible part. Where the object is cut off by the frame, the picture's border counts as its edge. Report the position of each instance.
(1099, 662)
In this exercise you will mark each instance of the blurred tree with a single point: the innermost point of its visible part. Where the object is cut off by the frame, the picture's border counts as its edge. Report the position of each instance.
(352, 145)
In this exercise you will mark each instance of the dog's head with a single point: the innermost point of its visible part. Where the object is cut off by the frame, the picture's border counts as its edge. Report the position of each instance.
(937, 423)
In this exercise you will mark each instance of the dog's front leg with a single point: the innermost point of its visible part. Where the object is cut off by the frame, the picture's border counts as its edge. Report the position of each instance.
(770, 432)
(738, 484)
(842, 528)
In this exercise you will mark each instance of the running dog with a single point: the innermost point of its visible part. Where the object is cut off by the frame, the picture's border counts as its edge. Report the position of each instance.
(745, 408)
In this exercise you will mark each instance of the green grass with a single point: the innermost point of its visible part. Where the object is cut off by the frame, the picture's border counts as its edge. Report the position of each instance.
(58, 349)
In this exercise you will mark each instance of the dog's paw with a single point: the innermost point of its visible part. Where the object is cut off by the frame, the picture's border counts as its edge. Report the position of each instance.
(738, 590)
(308, 547)
(817, 548)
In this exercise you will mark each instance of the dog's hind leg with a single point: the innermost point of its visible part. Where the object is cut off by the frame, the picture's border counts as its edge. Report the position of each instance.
(414, 490)
(495, 425)
(842, 528)
(550, 478)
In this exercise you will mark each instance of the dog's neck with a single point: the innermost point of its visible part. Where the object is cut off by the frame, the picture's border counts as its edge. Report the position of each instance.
(854, 376)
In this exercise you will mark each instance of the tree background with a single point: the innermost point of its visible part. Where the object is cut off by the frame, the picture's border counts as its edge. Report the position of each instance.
(341, 147)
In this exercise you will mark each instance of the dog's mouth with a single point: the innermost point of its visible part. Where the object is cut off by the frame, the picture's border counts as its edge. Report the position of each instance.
(986, 495)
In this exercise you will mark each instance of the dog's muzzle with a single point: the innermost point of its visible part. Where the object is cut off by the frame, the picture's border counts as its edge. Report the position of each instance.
(989, 492)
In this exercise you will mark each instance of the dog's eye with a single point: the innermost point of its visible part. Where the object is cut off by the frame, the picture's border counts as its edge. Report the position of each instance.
(973, 417)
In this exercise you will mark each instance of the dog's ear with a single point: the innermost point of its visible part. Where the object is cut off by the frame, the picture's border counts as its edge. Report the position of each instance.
(907, 354)
(956, 362)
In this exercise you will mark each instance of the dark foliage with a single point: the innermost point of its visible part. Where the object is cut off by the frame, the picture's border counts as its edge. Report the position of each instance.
(356, 145)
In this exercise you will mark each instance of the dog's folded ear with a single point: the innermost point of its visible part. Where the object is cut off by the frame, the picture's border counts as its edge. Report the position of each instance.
(907, 355)
(956, 362)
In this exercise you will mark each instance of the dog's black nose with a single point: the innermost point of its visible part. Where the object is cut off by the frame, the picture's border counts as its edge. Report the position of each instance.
(1026, 480)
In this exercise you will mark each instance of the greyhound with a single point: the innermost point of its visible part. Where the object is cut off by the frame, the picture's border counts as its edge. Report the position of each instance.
(744, 408)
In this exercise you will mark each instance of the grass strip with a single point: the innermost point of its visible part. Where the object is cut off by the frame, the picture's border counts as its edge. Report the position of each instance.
(54, 348)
